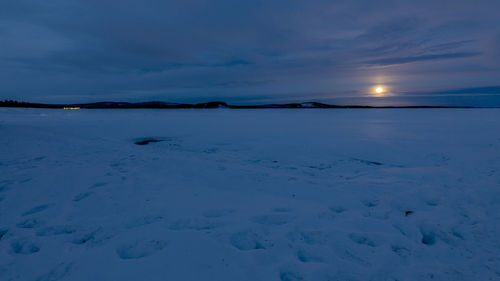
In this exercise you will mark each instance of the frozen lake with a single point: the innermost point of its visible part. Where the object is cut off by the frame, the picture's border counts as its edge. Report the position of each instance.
(338, 194)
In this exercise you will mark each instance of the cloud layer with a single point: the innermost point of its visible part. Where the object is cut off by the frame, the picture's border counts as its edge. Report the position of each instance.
(247, 52)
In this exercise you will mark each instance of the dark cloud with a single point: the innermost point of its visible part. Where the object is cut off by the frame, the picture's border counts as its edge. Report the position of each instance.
(75, 50)
(491, 90)
(401, 60)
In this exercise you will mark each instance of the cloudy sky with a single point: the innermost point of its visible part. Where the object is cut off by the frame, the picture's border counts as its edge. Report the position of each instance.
(435, 52)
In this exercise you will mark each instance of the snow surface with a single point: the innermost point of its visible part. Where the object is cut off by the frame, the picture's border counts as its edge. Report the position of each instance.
(345, 194)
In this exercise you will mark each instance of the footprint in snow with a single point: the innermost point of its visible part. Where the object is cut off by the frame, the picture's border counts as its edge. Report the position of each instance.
(306, 256)
(428, 236)
(140, 249)
(249, 240)
(431, 234)
(55, 230)
(371, 203)
(24, 247)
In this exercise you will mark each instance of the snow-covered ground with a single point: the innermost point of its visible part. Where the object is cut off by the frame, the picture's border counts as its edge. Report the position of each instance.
(367, 194)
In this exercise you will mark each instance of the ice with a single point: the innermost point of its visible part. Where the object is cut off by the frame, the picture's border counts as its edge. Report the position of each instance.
(266, 194)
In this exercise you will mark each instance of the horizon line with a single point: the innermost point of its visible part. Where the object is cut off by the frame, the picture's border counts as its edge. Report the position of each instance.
(207, 105)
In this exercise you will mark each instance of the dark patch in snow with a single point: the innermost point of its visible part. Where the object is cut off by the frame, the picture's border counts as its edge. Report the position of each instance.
(432, 202)
(458, 234)
(367, 162)
(3, 231)
(428, 238)
(81, 196)
(84, 239)
(370, 203)
(400, 251)
(337, 209)
(36, 209)
(147, 141)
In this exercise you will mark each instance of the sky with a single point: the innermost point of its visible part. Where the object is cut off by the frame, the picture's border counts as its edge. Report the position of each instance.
(424, 52)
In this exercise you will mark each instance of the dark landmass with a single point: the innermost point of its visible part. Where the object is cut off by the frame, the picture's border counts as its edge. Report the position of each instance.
(213, 104)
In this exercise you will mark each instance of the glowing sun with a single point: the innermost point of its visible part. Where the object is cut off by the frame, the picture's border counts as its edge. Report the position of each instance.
(379, 91)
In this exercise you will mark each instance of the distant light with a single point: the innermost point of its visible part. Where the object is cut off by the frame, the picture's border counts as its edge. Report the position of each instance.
(379, 90)
(71, 108)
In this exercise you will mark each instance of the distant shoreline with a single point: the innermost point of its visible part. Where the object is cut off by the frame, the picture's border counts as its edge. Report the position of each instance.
(206, 105)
